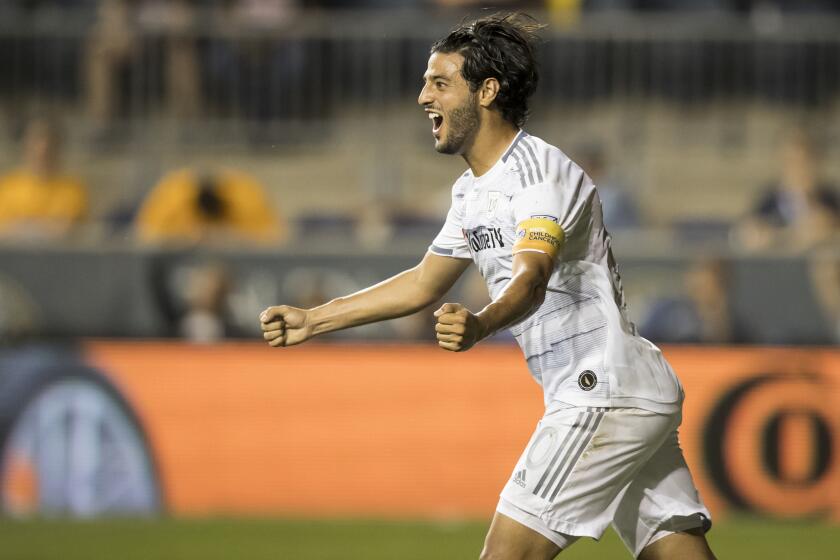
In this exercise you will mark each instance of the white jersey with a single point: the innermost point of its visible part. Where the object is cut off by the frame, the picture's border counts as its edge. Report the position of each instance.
(579, 343)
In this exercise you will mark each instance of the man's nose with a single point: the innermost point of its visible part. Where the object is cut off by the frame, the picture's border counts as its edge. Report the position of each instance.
(425, 97)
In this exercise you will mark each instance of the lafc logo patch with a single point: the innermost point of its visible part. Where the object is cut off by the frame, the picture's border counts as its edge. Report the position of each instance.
(493, 198)
(587, 380)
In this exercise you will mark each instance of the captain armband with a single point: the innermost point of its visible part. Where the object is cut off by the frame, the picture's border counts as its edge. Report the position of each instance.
(540, 234)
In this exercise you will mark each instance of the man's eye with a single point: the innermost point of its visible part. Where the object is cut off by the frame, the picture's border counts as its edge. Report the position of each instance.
(440, 85)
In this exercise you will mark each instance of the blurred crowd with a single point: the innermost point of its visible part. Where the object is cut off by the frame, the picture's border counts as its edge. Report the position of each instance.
(216, 58)
(797, 212)
(40, 200)
(270, 5)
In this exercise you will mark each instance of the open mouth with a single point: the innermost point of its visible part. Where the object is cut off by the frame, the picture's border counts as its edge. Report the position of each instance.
(437, 122)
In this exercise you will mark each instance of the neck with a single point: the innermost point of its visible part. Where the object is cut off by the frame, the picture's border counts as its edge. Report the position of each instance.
(490, 143)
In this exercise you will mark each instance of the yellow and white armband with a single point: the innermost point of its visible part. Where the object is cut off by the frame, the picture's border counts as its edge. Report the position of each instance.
(539, 234)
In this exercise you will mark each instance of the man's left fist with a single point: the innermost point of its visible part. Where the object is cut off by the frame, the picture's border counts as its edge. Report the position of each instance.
(457, 328)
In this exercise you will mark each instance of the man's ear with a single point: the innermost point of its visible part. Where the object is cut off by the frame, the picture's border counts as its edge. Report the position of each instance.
(488, 91)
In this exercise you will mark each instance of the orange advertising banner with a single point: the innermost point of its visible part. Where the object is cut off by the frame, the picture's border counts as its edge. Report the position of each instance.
(410, 430)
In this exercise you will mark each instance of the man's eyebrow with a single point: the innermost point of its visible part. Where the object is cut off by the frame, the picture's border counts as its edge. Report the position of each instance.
(435, 77)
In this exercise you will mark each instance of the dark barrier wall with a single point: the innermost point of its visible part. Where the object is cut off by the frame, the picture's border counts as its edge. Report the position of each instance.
(139, 293)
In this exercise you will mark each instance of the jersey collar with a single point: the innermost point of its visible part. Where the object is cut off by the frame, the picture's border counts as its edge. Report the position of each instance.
(519, 135)
(502, 161)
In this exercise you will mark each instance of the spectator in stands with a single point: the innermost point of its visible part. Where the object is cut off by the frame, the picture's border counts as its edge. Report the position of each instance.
(702, 314)
(194, 206)
(115, 49)
(798, 211)
(617, 201)
(40, 200)
(111, 43)
(193, 298)
(176, 21)
(256, 69)
(206, 319)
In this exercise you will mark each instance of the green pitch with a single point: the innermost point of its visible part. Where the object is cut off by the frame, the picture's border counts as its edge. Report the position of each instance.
(210, 539)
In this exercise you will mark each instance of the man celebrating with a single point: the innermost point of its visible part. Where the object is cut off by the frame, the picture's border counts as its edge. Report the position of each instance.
(606, 450)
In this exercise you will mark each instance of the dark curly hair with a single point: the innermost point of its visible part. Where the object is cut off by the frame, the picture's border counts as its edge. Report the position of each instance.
(501, 46)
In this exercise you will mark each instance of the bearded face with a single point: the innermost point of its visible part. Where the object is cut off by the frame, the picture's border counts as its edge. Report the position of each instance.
(461, 124)
(451, 106)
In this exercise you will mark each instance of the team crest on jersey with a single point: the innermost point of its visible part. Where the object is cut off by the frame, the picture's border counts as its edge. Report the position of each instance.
(587, 380)
(493, 198)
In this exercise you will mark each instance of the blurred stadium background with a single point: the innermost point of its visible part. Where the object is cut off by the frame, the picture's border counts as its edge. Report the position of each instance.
(170, 168)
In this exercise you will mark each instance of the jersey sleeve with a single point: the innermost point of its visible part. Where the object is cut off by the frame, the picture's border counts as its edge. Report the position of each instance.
(548, 215)
(450, 241)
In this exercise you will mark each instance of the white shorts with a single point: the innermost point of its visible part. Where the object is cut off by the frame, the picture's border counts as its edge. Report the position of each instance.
(586, 468)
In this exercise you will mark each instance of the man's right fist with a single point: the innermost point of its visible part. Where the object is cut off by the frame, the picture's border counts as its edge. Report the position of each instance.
(285, 326)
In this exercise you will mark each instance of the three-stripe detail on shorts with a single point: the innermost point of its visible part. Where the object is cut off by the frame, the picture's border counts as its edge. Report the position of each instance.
(569, 452)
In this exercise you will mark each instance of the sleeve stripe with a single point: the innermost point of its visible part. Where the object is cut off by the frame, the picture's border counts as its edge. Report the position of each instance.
(441, 251)
(525, 159)
(530, 149)
(518, 161)
(521, 134)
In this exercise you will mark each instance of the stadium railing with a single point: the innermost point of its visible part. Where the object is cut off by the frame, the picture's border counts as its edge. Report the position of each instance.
(312, 67)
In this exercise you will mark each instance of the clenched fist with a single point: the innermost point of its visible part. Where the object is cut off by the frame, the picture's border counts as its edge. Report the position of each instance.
(457, 328)
(285, 326)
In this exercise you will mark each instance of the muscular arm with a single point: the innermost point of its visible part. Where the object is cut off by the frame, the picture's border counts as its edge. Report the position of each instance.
(524, 292)
(397, 296)
(400, 295)
(458, 329)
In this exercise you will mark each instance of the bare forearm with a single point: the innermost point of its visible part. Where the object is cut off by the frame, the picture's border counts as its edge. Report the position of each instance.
(405, 293)
(397, 296)
(458, 329)
(518, 299)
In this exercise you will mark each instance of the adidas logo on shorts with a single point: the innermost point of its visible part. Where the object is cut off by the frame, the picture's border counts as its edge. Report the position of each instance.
(519, 478)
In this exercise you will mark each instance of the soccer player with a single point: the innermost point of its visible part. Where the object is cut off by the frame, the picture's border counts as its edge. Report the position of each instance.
(606, 450)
